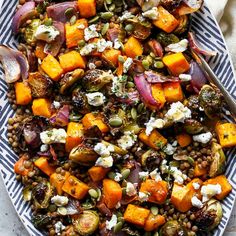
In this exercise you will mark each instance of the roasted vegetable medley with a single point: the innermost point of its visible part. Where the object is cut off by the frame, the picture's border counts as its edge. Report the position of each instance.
(117, 128)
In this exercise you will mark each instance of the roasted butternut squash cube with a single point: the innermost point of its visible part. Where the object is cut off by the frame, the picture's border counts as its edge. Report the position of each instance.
(41, 107)
(226, 134)
(111, 56)
(153, 222)
(23, 93)
(52, 67)
(136, 215)
(87, 8)
(176, 63)
(173, 92)
(198, 172)
(184, 139)
(57, 181)
(75, 187)
(133, 47)
(158, 94)
(97, 173)
(75, 32)
(71, 61)
(44, 166)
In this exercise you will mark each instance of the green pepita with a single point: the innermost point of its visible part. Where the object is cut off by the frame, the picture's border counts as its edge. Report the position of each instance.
(159, 64)
(140, 107)
(121, 59)
(145, 64)
(174, 163)
(48, 22)
(93, 20)
(109, 1)
(130, 84)
(81, 43)
(154, 210)
(190, 161)
(156, 234)
(111, 175)
(129, 27)
(93, 193)
(115, 121)
(119, 214)
(106, 15)
(118, 227)
(105, 28)
(112, 7)
(125, 173)
(73, 20)
(52, 207)
(62, 211)
(120, 219)
(134, 113)
(69, 12)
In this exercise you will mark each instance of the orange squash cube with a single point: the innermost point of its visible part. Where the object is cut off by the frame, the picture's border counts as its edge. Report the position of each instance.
(158, 94)
(23, 93)
(97, 173)
(57, 181)
(111, 56)
(153, 222)
(184, 139)
(173, 92)
(198, 172)
(87, 8)
(133, 47)
(41, 107)
(43, 165)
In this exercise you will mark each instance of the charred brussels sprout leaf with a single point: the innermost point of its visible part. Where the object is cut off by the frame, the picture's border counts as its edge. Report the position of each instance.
(208, 217)
(173, 228)
(40, 221)
(80, 101)
(87, 223)
(183, 24)
(192, 126)
(166, 39)
(210, 100)
(30, 31)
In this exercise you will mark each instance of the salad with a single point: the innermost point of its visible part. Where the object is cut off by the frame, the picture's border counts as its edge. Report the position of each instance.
(117, 127)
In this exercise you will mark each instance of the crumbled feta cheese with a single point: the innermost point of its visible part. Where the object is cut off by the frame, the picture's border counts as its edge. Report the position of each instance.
(118, 85)
(151, 14)
(87, 49)
(143, 174)
(143, 197)
(59, 227)
(153, 124)
(46, 33)
(102, 44)
(196, 202)
(53, 136)
(126, 15)
(227, 112)
(210, 190)
(117, 44)
(44, 148)
(90, 32)
(60, 200)
(203, 138)
(118, 177)
(130, 189)
(178, 113)
(155, 175)
(127, 64)
(185, 77)
(103, 150)
(127, 140)
(181, 46)
(194, 4)
(196, 186)
(95, 99)
(169, 149)
(91, 66)
(164, 167)
(178, 175)
(113, 221)
(105, 162)
(56, 104)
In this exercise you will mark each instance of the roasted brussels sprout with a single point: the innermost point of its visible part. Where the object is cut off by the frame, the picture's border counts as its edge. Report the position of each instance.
(217, 166)
(40, 221)
(183, 24)
(208, 217)
(83, 154)
(192, 126)
(151, 159)
(87, 223)
(70, 79)
(40, 85)
(80, 101)
(96, 79)
(41, 194)
(193, 104)
(170, 4)
(210, 100)
(173, 228)
(166, 39)
(30, 31)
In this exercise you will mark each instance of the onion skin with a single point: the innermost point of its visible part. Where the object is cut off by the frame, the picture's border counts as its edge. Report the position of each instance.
(154, 77)
(23, 14)
(155, 47)
(23, 62)
(61, 118)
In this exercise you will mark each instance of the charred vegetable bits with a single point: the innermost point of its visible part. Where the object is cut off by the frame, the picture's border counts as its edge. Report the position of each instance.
(117, 128)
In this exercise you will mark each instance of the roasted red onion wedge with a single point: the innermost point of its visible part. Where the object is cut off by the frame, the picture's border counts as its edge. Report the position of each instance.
(188, 7)
(154, 77)
(24, 13)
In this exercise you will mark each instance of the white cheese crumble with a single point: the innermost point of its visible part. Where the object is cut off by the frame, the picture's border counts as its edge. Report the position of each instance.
(103, 150)
(178, 113)
(181, 46)
(178, 175)
(90, 32)
(127, 64)
(118, 85)
(203, 138)
(185, 77)
(60, 200)
(56, 104)
(44, 148)
(155, 175)
(143, 197)
(130, 189)
(91, 66)
(127, 140)
(153, 124)
(102, 44)
(196, 186)
(126, 15)
(113, 221)
(151, 14)
(53, 136)
(169, 149)
(46, 33)
(118, 177)
(95, 99)
(105, 162)
(196, 202)
(87, 49)
(210, 190)
(143, 174)
(59, 227)
(117, 44)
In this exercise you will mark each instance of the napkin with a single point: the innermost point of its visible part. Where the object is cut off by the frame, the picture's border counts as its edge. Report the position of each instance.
(217, 7)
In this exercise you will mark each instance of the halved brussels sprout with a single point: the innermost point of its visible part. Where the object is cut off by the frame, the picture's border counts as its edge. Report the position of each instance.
(210, 100)
(41, 195)
(173, 228)
(183, 24)
(192, 126)
(30, 31)
(41, 221)
(217, 166)
(87, 223)
(170, 5)
(83, 154)
(166, 39)
(80, 101)
(208, 217)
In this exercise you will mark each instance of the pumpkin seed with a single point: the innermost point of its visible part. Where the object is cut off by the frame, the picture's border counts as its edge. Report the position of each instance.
(109, 1)
(112, 7)
(121, 59)
(123, 191)
(94, 19)
(145, 64)
(115, 121)
(62, 211)
(52, 207)
(93, 193)
(174, 163)
(69, 12)
(105, 28)
(118, 227)
(48, 22)
(119, 214)
(73, 20)
(111, 175)
(154, 210)
(106, 15)
(130, 84)
(152, 54)
(159, 64)
(134, 113)
(125, 173)
(129, 27)
(190, 161)
(81, 43)
(140, 107)
(120, 219)
(156, 234)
